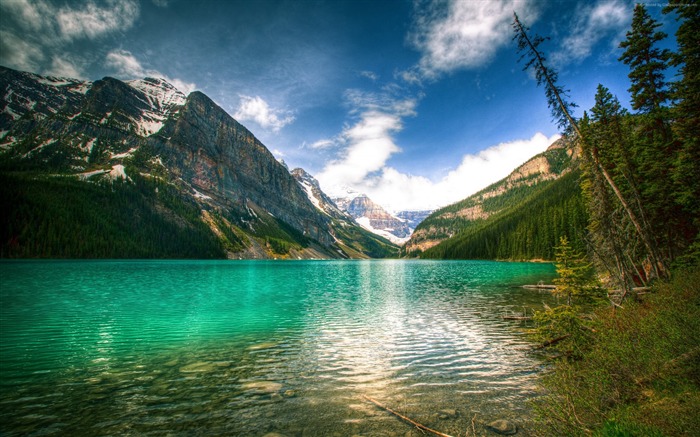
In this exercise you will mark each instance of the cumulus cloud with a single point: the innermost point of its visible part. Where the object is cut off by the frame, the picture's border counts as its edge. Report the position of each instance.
(399, 191)
(370, 145)
(91, 20)
(19, 53)
(593, 23)
(127, 66)
(459, 34)
(258, 110)
(35, 33)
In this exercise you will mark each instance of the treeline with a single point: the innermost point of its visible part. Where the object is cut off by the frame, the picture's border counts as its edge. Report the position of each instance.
(640, 169)
(63, 217)
(528, 228)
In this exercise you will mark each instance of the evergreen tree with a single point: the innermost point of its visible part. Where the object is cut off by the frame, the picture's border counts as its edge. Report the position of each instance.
(686, 113)
(647, 63)
(660, 159)
(575, 274)
(561, 111)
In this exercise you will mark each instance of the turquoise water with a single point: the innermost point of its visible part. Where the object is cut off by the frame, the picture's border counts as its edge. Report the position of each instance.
(255, 347)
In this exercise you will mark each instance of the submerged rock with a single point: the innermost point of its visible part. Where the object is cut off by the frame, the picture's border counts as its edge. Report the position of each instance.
(263, 346)
(448, 413)
(502, 427)
(200, 366)
(263, 386)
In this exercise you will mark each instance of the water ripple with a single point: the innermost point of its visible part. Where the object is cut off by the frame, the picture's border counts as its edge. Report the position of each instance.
(201, 348)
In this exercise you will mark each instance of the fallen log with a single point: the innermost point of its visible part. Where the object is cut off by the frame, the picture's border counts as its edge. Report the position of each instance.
(553, 341)
(402, 417)
(516, 318)
(541, 287)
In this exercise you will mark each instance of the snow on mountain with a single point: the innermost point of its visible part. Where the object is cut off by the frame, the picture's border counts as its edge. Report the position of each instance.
(319, 199)
(366, 223)
(162, 97)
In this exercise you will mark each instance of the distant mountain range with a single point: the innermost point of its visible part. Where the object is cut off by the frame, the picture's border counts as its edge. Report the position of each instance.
(137, 169)
(374, 218)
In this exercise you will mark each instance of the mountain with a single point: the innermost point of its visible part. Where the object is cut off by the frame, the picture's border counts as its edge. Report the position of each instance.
(413, 218)
(352, 238)
(520, 217)
(317, 197)
(373, 217)
(76, 156)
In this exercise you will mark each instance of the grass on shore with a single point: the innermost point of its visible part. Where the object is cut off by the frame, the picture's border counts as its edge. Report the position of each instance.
(640, 373)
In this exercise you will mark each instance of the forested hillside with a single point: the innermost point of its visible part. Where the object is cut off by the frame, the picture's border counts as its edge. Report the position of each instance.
(528, 228)
(518, 218)
(62, 217)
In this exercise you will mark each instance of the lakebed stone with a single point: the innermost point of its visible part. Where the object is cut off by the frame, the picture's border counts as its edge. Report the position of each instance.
(502, 427)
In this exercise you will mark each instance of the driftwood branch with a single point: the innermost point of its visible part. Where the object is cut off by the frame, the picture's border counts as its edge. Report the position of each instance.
(404, 418)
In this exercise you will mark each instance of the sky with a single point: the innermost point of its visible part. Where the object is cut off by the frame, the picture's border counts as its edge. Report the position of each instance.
(417, 103)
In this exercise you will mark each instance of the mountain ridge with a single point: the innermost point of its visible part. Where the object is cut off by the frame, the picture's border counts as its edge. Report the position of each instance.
(146, 138)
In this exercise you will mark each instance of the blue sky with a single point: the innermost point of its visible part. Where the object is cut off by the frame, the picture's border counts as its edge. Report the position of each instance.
(416, 103)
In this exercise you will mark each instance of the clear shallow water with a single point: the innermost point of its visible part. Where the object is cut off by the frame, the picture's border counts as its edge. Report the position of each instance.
(253, 347)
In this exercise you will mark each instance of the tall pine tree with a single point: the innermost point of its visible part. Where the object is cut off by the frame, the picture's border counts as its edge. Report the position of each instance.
(686, 113)
(647, 62)
(655, 150)
(546, 76)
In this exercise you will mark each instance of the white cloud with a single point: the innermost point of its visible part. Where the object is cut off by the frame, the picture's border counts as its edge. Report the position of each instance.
(91, 20)
(370, 145)
(36, 32)
(323, 144)
(30, 15)
(370, 75)
(462, 34)
(19, 53)
(61, 66)
(593, 23)
(258, 110)
(401, 191)
(128, 67)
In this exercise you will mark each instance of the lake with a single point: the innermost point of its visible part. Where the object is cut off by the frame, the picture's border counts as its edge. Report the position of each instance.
(249, 348)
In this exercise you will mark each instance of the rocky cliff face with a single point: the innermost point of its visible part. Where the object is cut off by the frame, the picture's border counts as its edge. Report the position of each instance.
(223, 161)
(148, 129)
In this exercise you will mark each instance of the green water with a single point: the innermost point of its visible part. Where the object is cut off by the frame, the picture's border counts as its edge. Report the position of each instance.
(255, 347)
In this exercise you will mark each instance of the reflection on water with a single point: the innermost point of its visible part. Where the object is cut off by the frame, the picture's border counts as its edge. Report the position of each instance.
(250, 348)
